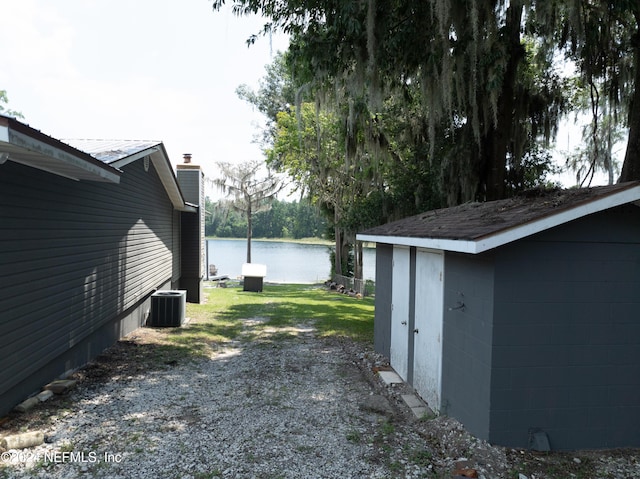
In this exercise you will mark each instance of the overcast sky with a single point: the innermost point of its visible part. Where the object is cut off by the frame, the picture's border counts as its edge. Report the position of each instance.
(136, 69)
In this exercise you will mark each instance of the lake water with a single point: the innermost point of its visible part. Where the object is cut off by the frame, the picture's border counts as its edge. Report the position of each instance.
(286, 262)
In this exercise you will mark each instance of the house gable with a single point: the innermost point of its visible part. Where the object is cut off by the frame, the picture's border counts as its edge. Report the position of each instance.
(119, 153)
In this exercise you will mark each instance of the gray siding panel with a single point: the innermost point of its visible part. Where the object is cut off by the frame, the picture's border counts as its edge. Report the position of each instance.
(74, 257)
(382, 318)
(467, 337)
(567, 335)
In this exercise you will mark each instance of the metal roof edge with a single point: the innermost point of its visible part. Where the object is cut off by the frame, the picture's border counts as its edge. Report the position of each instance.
(24, 138)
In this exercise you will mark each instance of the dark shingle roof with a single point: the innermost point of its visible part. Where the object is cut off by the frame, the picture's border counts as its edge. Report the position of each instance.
(472, 222)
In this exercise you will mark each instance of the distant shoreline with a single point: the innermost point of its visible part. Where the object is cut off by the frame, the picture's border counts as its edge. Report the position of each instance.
(318, 241)
(315, 241)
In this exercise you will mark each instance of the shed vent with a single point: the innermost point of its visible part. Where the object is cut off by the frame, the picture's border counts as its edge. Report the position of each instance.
(168, 308)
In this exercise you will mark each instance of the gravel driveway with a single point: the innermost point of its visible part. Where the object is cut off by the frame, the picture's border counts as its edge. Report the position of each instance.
(286, 404)
(283, 406)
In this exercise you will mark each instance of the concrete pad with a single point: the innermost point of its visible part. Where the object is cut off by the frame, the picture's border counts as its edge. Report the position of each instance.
(412, 400)
(390, 377)
(417, 406)
(27, 404)
(44, 395)
(421, 412)
(61, 386)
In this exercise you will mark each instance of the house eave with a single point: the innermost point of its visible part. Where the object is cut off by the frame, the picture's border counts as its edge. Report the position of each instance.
(163, 167)
(22, 144)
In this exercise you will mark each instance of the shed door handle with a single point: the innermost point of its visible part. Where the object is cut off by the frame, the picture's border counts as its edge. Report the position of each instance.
(415, 331)
(403, 322)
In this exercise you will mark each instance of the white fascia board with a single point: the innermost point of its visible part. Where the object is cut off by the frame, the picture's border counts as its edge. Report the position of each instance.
(168, 178)
(441, 244)
(136, 156)
(513, 234)
(4, 134)
(31, 144)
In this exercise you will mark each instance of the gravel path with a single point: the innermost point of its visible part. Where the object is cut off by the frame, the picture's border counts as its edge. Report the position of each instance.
(284, 405)
(267, 409)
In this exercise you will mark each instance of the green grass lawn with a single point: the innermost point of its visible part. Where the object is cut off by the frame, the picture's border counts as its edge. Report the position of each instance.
(278, 310)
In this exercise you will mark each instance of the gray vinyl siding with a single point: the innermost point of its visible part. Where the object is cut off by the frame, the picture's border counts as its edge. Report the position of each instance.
(566, 344)
(467, 337)
(382, 318)
(176, 246)
(74, 258)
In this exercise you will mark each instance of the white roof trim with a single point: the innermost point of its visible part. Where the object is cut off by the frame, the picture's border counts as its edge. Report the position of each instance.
(136, 156)
(440, 244)
(46, 157)
(168, 178)
(510, 235)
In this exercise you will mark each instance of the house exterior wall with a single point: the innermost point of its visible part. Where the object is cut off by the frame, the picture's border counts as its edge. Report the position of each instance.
(78, 263)
(467, 338)
(566, 335)
(177, 249)
(382, 318)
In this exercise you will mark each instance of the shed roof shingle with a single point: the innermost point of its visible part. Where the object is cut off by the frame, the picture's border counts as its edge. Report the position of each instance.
(473, 222)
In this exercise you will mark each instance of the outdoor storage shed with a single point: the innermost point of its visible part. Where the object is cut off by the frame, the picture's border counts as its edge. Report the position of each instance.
(87, 234)
(519, 316)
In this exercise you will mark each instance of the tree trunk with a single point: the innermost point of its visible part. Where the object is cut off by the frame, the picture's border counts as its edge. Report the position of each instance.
(358, 267)
(337, 261)
(631, 166)
(498, 139)
(249, 231)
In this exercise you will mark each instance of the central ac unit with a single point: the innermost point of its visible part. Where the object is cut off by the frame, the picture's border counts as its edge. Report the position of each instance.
(168, 308)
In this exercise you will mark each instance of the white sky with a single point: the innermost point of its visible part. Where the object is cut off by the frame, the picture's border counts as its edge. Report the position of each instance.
(136, 69)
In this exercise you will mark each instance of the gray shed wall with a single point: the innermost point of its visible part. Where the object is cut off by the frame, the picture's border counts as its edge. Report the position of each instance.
(382, 318)
(78, 262)
(467, 337)
(566, 335)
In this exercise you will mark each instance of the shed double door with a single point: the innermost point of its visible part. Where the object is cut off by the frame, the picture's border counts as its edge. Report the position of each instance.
(416, 320)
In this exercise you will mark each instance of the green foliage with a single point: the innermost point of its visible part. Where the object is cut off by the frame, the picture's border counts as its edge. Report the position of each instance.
(275, 94)
(297, 219)
(467, 112)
